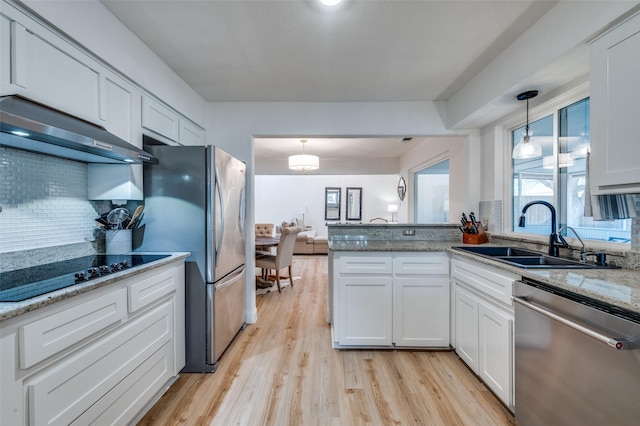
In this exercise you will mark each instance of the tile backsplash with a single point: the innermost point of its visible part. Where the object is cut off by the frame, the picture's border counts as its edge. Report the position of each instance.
(44, 201)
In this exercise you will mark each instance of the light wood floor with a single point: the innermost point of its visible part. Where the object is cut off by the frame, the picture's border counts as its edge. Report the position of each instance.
(283, 371)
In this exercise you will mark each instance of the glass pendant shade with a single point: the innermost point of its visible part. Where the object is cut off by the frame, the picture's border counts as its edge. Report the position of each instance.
(304, 162)
(527, 148)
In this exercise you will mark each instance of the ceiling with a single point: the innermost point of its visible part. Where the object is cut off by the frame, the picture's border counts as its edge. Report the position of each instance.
(301, 50)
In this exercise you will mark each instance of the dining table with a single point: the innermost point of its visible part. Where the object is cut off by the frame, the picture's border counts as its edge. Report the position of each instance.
(267, 241)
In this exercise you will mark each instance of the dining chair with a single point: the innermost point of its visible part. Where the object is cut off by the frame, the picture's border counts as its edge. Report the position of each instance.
(264, 230)
(283, 257)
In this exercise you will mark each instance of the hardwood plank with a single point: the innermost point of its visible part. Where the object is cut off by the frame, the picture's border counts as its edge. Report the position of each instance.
(283, 371)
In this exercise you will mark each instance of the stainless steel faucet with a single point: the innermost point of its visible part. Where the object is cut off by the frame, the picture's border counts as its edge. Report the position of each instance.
(582, 251)
(555, 240)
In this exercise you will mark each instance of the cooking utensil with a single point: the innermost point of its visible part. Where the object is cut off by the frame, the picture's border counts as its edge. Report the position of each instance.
(117, 216)
(136, 213)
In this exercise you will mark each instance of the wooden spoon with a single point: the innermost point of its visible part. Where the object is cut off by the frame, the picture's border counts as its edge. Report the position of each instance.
(135, 216)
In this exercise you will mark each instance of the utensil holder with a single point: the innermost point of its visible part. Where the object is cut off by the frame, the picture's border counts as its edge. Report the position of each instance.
(118, 241)
(479, 238)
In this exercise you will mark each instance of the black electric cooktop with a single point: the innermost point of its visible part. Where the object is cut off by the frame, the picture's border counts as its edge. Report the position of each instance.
(26, 283)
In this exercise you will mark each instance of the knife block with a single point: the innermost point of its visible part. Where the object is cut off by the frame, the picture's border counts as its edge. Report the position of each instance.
(479, 238)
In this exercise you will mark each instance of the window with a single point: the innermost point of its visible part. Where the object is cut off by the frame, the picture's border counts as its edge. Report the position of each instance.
(559, 178)
(431, 201)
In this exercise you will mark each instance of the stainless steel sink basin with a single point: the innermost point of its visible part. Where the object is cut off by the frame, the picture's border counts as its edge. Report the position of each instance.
(499, 251)
(529, 259)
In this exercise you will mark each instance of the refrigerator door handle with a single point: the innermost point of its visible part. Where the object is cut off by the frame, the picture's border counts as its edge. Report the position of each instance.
(220, 232)
(230, 280)
(242, 217)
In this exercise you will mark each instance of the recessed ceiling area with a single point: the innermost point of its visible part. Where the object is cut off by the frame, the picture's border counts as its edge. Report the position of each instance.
(338, 155)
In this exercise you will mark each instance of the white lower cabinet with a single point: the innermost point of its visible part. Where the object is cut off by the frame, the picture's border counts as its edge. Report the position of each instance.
(484, 318)
(466, 318)
(365, 311)
(391, 299)
(495, 341)
(104, 355)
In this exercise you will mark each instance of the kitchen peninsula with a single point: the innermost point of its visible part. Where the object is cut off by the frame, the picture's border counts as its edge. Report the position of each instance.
(403, 285)
(389, 285)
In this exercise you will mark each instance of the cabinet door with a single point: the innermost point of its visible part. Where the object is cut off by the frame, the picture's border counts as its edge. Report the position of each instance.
(614, 71)
(5, 54)
(365, 310)
(496, 353)
(467, 327)
(160, 119)
(421, 311)
(120, 108)
(190, 134)
(55, 73)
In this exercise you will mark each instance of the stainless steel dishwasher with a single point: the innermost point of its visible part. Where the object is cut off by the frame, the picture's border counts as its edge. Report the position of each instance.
(577, 360)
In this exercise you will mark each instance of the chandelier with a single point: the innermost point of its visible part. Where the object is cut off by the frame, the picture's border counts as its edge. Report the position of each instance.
(304, 162)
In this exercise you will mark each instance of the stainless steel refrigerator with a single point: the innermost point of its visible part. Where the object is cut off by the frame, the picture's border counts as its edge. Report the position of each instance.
(195, 201)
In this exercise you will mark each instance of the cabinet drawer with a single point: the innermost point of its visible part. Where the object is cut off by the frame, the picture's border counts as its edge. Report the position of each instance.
(130, 396)
(48, 336)
(68, 389)
(149, 290)
(425, 264)
(497, 285)
(365, 265)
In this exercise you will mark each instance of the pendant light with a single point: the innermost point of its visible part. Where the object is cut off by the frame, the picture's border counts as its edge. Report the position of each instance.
(527, 148)
(304, 162)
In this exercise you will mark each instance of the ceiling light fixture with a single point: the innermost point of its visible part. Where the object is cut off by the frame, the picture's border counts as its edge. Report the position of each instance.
(330, 2)
(304, 162)
(527, 148)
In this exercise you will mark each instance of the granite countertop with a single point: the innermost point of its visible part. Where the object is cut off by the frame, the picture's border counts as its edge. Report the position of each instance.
(363, 244)
(619, 287)
(13, 309)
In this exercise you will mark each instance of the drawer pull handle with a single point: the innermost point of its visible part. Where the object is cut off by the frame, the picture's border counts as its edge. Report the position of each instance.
(613, 342)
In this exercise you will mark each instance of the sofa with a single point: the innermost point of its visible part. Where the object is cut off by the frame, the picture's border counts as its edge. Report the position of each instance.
(309, 241)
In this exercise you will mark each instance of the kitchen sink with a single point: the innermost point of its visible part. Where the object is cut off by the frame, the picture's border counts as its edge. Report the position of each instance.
(529, 259)
(499, 251)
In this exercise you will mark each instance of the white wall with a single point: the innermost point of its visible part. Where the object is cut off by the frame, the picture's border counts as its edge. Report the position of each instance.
(233, 125)
(462, 183)
(280, 197)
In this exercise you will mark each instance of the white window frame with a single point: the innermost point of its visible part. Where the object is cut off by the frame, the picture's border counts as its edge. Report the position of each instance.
(547, 107)
(438, 158)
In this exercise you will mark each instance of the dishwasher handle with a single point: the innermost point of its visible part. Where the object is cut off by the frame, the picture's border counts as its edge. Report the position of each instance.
(613, 342)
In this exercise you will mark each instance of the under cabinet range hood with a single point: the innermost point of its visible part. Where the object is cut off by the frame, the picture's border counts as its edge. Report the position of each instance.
(30, 126)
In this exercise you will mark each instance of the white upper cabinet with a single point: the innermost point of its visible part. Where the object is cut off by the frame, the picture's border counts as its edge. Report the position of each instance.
(167, 125)
(120, 108)
(43, 65)
(191, 134)
(50, 71)
(160, 119)
(5, 53)
(615, 108)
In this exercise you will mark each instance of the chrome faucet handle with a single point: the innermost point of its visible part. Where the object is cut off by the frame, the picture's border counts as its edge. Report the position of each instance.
(563, 242)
